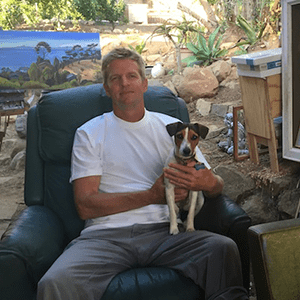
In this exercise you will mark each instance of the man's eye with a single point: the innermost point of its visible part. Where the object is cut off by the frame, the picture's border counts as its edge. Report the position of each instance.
(194, 137)
(133, 75)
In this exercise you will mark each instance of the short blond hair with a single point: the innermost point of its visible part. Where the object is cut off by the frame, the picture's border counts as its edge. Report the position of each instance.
(122, 53)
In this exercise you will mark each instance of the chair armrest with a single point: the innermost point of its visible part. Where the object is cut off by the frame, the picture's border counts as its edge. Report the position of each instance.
(35, 238)
(275, 256)
(223, 216)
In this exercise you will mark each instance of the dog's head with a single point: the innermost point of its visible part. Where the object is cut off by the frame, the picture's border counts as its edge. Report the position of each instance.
(187, 137)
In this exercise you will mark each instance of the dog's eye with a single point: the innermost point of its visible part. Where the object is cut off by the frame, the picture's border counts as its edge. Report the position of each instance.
(179, 136)
(194, 137)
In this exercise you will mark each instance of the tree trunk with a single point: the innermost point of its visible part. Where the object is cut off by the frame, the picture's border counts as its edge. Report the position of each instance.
(210, 13)
(207, 24)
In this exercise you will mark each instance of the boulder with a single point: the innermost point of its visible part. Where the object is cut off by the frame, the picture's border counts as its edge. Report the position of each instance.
(221, 69)
(288, 202)
(260, 208)
(195, 83)
(236, 184)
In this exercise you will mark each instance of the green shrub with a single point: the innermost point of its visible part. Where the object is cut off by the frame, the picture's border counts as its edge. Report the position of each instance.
(110, 10)
(204, 51)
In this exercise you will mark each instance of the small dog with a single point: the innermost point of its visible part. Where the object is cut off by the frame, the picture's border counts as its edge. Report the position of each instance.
(186, 139)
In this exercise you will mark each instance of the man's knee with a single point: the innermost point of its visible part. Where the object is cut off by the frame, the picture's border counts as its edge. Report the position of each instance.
(53, 283)
(222, 244)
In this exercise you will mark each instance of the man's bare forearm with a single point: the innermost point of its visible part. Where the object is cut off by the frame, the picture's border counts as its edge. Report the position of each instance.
(90, 203)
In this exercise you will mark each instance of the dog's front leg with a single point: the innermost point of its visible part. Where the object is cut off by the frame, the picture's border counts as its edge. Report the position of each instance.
(173, 209)
(191, 215)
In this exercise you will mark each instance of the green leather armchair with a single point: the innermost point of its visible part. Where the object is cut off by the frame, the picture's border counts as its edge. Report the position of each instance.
(275, 257)
(38, 236)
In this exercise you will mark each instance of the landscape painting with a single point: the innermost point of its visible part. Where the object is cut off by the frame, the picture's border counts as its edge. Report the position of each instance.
(48, 60)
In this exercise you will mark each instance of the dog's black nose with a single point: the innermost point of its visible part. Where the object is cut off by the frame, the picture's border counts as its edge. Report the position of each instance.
(186, 151)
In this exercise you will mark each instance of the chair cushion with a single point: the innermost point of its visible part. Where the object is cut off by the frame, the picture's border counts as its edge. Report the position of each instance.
(152, 283)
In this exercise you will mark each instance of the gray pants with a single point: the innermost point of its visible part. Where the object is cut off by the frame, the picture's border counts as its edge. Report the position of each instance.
(92, 260)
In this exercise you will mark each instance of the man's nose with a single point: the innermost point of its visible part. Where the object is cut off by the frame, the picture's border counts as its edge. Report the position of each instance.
(124, 81)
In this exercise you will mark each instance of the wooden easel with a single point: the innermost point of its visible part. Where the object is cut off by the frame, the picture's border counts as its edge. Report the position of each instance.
(262, 103)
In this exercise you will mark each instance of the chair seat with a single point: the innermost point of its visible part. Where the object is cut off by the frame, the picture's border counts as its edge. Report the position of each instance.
(152, 283)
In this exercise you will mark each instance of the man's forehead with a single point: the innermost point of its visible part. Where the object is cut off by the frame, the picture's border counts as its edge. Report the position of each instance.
(122, 63)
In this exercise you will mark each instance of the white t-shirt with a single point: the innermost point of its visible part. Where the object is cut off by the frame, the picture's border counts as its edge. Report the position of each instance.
(129, 157)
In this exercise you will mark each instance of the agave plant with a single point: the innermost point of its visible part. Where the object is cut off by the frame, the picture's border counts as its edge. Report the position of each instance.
(204, 51)
(252, 36)
(177, 32)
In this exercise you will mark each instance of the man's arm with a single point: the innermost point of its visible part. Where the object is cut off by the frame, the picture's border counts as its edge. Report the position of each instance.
(196, 180)
(90, 203)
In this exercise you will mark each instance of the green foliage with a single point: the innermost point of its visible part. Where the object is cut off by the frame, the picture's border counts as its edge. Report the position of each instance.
(241, 51)
(14, 12)
(206, 51)
(177, 32)
(5, 83)
(60, 9)
(34, 72)
(10, 14)
(34, 85)
(110, 10)
(138, 48)
(65, 85)
(253, 35)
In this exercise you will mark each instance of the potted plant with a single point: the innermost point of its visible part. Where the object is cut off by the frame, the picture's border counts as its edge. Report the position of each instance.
(178, 33)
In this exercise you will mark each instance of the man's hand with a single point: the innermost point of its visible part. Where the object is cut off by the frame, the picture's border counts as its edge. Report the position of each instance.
(187, 177)
(158, 190)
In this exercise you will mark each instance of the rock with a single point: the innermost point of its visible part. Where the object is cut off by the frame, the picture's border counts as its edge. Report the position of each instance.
(19, 146)
(203, 107)
(18, 162)
(196, 83)
(215, 131)
(288, 202)
(153, 58)
(261, 209)
(220, 109)
(154, 82)
(4, 160)
(171, 87)
(221, 69)
(236, 183)
(278, 185)
(117, 31)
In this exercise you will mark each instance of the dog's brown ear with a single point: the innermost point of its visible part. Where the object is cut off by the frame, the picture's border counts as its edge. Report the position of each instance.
(200, 129)
(173, 128)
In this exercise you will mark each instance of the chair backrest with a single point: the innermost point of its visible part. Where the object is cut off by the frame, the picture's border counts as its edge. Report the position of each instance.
(50, 131)
(275, 256)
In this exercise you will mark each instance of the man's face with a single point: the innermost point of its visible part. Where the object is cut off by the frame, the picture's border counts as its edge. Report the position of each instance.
(125, 85)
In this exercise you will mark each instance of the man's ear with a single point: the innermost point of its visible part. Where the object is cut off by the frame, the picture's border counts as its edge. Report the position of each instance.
(107, 90)
(145, 84)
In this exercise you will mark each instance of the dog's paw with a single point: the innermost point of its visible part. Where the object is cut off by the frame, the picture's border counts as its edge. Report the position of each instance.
(174, 230)
(190, 229)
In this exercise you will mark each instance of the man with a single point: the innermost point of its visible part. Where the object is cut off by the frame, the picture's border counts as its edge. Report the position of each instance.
(118, 181)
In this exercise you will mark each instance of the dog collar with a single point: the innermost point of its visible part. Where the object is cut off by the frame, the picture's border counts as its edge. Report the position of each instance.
(199, 166)
(183, 161)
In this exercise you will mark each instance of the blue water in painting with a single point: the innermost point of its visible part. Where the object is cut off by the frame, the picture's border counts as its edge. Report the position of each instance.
(15, 58)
